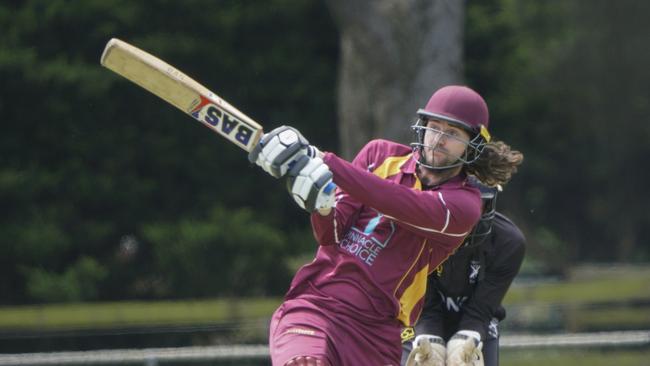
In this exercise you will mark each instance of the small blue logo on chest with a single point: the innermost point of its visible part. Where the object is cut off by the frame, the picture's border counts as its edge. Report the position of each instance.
(381, 238)
(371, 225)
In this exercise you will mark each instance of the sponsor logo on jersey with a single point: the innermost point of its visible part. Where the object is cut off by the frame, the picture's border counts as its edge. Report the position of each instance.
(301, 331)
(367, 243)
(407, 334)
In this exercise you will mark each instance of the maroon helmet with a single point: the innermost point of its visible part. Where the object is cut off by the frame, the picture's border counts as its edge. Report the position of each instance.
(459, 106)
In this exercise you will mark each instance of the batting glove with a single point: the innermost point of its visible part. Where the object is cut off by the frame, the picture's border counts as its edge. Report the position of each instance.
(310, 184)
(278, 150)
(464, 349)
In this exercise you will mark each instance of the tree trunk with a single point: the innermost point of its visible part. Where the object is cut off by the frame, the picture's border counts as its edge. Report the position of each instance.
(394, 54)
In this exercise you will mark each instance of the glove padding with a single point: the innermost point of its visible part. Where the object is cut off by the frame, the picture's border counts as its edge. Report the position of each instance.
(464, 349)
(428, 350)
(310, 184)
(279, 149)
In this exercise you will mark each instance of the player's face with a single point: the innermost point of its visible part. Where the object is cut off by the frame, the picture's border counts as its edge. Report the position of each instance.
(443, 143)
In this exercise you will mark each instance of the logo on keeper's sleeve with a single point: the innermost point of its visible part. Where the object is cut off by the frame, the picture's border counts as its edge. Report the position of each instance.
(367, 243)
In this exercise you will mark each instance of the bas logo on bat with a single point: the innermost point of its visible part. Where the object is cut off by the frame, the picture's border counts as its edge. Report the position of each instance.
(208, 112)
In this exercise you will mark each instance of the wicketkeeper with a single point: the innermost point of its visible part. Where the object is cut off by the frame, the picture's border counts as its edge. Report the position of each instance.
(462, 310)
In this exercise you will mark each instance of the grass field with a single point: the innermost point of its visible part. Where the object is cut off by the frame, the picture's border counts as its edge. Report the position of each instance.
(121, 314)
(582, 294)
(630, 284)
(592, 298)
(575, 357)
(586, 286)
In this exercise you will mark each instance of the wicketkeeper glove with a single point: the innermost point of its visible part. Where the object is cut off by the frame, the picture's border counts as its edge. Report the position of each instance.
(278, 150)
(428, 350)
(310, 184)
(464, 349)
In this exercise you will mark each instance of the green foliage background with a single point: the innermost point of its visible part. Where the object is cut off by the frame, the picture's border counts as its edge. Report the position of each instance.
(109, 193)
(566, 85)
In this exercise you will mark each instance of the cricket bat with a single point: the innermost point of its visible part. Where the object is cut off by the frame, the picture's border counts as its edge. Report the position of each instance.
(181, 91)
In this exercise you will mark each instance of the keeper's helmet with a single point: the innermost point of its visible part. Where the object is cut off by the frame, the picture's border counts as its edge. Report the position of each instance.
(483, 228)
(461, 107)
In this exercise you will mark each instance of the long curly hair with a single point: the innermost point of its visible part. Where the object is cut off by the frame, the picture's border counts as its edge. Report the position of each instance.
(496, 164)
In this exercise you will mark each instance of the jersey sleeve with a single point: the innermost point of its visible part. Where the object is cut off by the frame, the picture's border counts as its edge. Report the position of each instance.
(446, 212)
(329, 229)
(499, 274)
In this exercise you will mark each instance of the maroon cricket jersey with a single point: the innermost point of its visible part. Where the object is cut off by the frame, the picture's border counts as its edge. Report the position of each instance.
(384, 235)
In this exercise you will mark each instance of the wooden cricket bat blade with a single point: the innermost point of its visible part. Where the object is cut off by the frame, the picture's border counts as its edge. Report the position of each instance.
(181, 91)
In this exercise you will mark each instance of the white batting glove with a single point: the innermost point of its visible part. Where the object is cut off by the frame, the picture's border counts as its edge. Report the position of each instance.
(464, 349)
(428, 350)
(310, 184)
(279, 149)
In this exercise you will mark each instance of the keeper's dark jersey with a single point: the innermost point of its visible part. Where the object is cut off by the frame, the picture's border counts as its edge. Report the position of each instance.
(466, 291)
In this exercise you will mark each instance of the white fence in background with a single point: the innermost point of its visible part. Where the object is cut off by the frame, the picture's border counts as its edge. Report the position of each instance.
(155, 356)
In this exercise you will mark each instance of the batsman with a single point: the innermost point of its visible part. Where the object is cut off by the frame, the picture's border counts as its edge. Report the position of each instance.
(383, 223)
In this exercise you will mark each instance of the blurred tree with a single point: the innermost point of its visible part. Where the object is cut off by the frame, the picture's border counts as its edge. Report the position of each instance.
(109, 193)
(510, 47)
(88, 160)
(81, 281)
(566, 83)
(394, 54)
(227, 253)
(604, 75)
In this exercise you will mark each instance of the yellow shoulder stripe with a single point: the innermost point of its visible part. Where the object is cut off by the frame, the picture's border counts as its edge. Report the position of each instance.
(391, 166)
